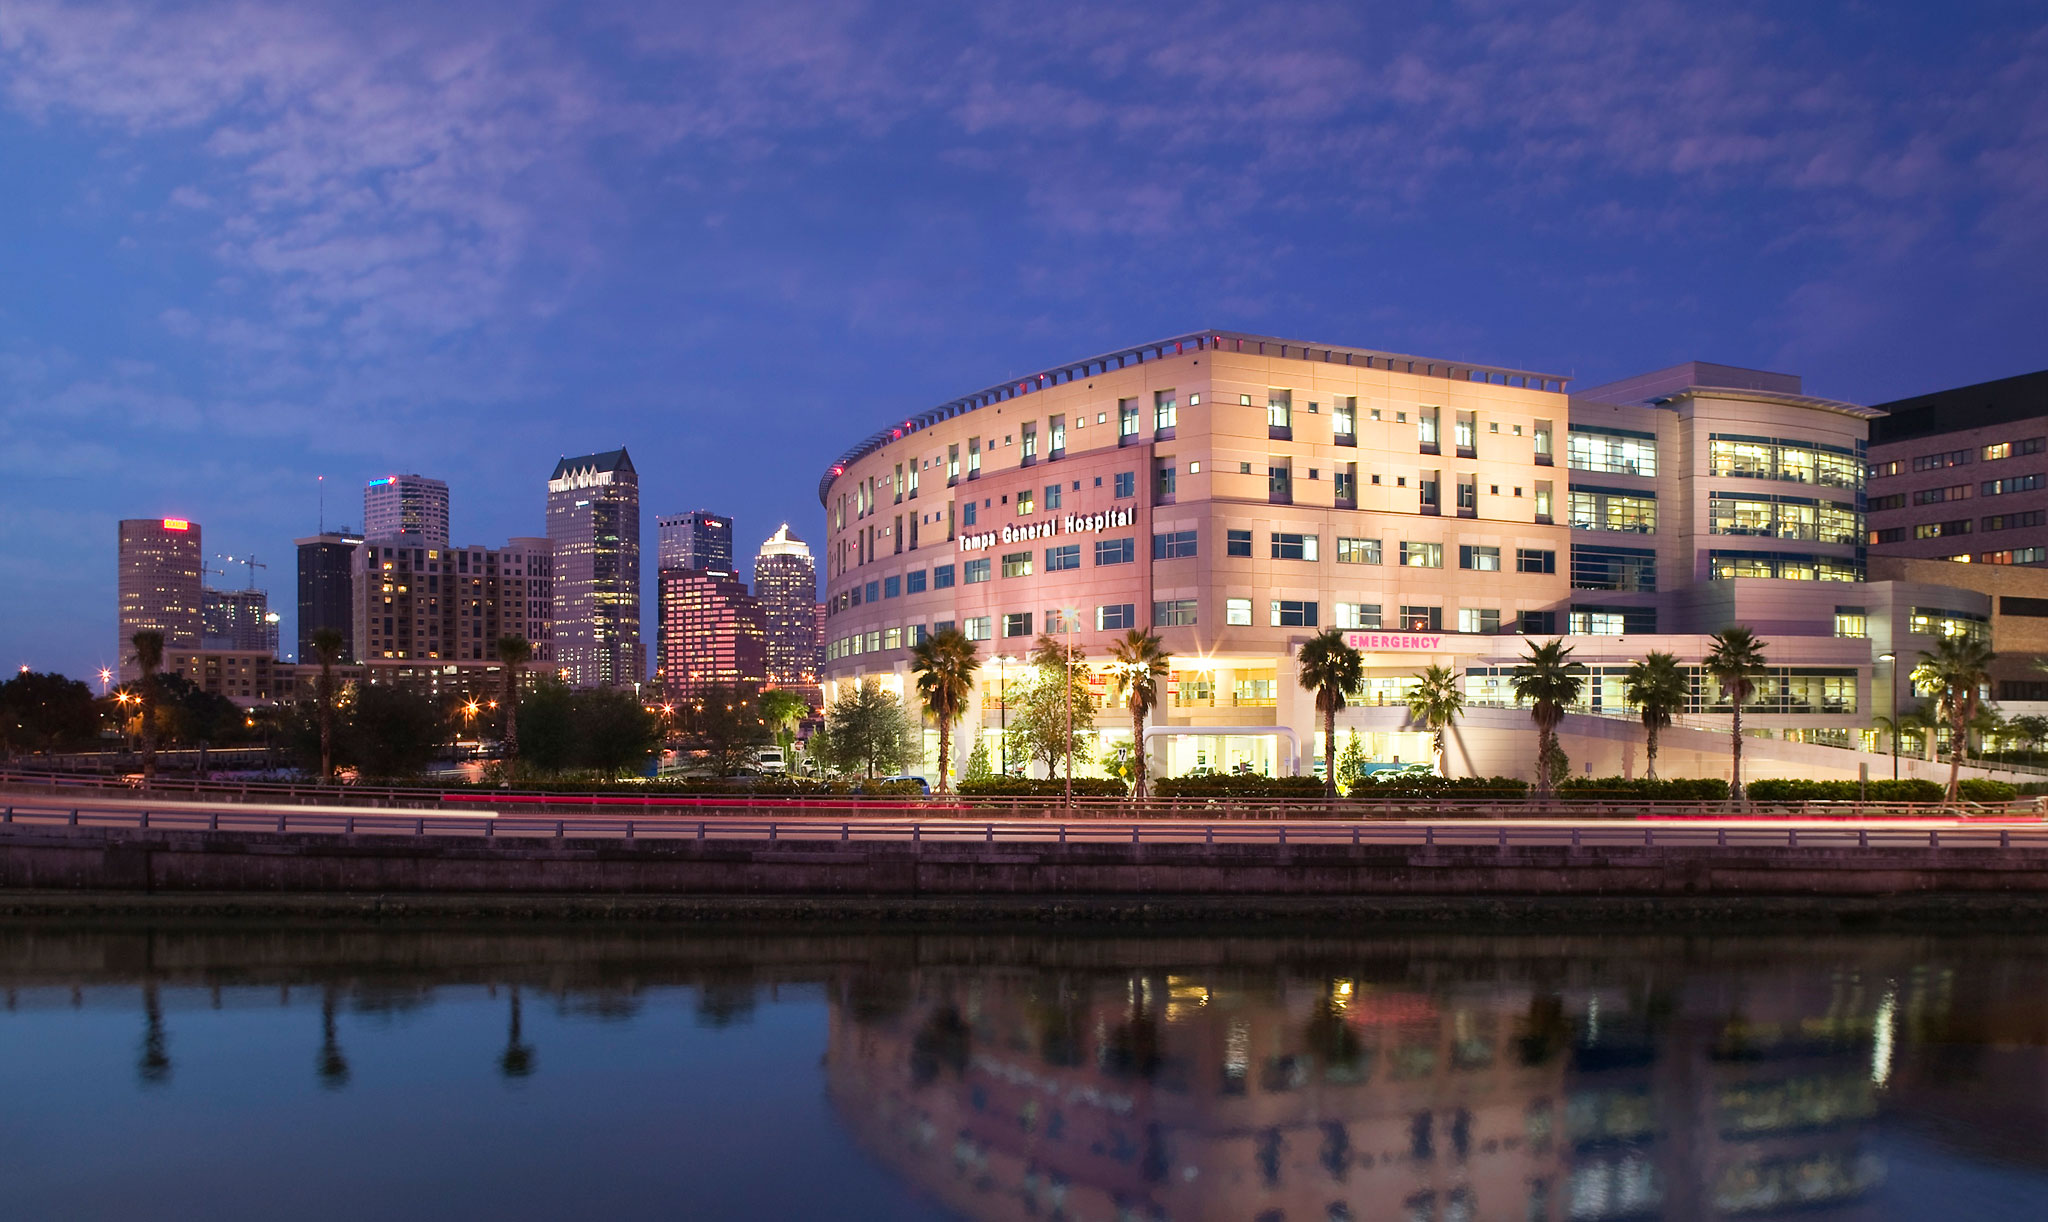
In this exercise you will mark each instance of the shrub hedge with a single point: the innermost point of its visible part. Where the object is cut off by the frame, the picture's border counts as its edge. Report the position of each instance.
(1437, 786)
(1984, 789)
(1224, 785)
(1673, 789)
(1911, 789)
(1041, 787)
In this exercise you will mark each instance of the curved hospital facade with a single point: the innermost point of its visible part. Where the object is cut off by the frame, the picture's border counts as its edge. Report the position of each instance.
(1238, 493)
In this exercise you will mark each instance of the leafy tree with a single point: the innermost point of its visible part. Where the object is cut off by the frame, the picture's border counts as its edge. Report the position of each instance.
(614, 732)
(1736, 662)
(944, 663)
(725, 725)
(514, 651)
(978, 766)
(1329, 669)
(1550, 682)
(43, 710)
(393, 732)
(547, 742)
(2030, 730)
(1137, 663)
(192, 715)
(1352, 763)
(1436, 702)
(1656, 685)
(867, 729)
(149, 656)
(1056, 697)
(327, 648)
(1955, 674)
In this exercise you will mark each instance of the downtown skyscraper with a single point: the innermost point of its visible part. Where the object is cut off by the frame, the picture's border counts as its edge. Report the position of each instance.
(159, 585)
(594, 528)
(699, 539)
(408, 507)
(786, 586)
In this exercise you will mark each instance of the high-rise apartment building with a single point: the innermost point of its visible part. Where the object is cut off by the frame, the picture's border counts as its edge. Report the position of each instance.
(325, 589)
(409, 507)
(417, 604)
(594, 527)
(711, 633)
(696, 540)
(159, 585)
(786, 586)
(237, 620)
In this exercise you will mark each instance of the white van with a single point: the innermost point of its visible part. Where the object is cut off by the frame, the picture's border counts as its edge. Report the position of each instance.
(771, 761)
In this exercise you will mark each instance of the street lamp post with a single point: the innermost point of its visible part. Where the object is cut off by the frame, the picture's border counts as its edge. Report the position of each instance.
(1067, 619)
(1892, 678)
(1003, 705)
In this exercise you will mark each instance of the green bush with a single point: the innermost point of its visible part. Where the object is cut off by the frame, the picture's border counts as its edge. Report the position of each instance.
(1984, 789)
(1673, 789)
(1223, 785)
(1461, 787)
(1800, 790)
(1041, 787)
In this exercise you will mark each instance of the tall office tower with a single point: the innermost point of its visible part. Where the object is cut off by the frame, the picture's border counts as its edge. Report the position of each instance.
(159, 586)
(786, 585)
(409, 507)
(237, 619)
(594, 528)
(696, 540)
(325, 590)
(711, 633)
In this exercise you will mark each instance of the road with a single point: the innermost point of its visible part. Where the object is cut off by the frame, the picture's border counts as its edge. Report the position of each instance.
(1734, 832)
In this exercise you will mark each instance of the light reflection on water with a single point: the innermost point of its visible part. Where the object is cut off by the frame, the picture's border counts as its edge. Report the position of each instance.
(224, 1072)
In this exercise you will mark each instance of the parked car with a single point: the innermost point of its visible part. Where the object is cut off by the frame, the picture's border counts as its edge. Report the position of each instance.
(1401, 772)
(923, 786)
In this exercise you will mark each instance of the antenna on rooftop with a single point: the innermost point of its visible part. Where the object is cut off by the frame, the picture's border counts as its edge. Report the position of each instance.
(322, 481)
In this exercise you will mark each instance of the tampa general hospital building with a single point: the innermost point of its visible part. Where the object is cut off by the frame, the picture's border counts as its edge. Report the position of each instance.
(1236, 494)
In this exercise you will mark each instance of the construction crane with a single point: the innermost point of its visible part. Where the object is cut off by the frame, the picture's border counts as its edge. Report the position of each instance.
(249, 560)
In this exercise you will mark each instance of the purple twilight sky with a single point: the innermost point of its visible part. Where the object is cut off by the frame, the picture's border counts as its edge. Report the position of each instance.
(249, 244)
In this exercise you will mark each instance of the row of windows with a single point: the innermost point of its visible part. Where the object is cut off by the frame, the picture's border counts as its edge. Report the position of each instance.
(1784, 518)
(1962, 458)
(1816, 690)
(1777, 458)
(1783, 565)
(1612, 452)
(1960, 526)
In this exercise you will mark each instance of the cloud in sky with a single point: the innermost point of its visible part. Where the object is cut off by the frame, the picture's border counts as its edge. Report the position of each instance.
(342, 236)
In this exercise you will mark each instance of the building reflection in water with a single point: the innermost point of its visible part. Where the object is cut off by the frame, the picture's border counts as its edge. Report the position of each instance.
(1209, 1094)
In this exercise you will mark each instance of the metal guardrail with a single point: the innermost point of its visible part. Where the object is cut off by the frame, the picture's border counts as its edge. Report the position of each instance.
(1502, 836)
(1375, 806)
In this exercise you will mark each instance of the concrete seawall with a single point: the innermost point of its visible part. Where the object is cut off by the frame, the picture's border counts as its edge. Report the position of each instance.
(754, 875)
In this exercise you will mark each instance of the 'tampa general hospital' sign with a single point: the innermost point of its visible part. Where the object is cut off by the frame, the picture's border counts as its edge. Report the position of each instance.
(1071, 524)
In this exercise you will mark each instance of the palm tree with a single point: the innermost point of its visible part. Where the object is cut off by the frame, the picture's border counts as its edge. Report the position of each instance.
(1657, 686)
(1736, 662)
(149, 655)
(1436, 702)
(1955, 675)
(1330, 668)
(517, 1059)
(332, 1064)
(327, 645)
(1136, 664)
(513, 651)
(944, 663)
(1550, 681)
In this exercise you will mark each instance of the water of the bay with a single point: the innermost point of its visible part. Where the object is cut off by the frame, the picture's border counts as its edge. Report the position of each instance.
(237, 1072)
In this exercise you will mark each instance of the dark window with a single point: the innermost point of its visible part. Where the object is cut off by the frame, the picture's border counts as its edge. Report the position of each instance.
(1115, 551)
(2033, 608)
(1173, 545)
(1534, 560)
(1067, 556)
(892, 587)
(913, 583)
(874, 590)
(942, 577)
(1238, 543)
(1422, 619)
(1539, 623)
(1291, 613)
(1017, 623)
(1126, 483)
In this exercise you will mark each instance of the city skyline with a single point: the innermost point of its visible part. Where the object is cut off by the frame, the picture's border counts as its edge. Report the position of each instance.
(294, 244)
